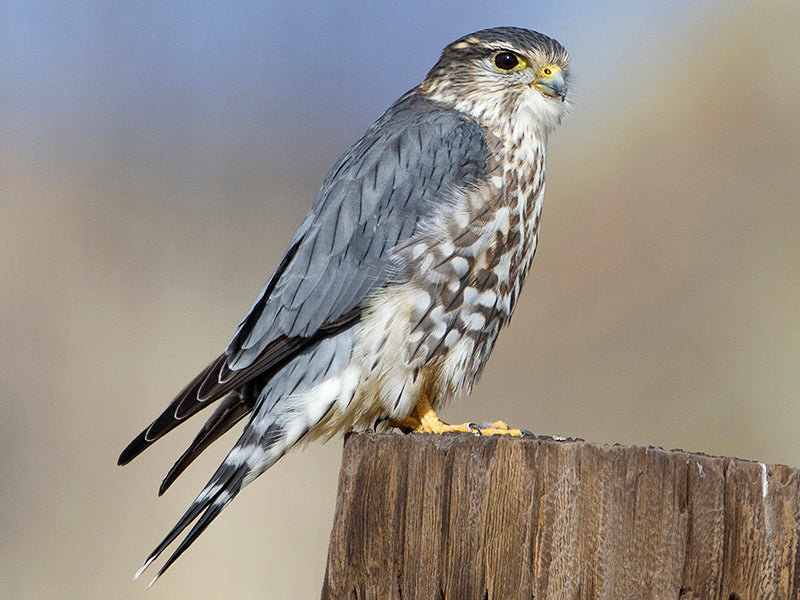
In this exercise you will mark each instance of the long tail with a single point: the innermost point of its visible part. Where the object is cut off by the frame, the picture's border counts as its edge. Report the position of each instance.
(223, 486)
(291, 403)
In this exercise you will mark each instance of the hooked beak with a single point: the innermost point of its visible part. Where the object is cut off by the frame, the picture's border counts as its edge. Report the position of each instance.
(554, 85)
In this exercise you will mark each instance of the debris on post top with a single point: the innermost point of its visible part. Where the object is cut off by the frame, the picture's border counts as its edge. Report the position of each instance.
(460, 516)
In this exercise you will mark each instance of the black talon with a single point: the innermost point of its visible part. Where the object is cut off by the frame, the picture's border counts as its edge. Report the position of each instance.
(475, 428)
(526, 433)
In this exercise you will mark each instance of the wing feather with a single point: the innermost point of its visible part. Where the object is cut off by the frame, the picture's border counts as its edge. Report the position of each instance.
(229, 412)
(374, 197)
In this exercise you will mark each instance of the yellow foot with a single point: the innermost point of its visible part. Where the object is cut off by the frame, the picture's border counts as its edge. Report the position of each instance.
(500, 428)
(424, 420)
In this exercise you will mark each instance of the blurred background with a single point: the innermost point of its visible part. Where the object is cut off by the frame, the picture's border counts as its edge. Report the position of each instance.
(156, 158)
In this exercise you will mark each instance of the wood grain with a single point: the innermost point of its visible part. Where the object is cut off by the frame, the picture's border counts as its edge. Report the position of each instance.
(459, 516)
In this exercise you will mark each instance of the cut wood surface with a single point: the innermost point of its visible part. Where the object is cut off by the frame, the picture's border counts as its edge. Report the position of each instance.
(460, 516)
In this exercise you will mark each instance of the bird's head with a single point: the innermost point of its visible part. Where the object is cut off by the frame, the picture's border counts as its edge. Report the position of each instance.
(504, 77)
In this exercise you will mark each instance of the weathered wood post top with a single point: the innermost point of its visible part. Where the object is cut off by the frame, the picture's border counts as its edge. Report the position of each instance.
(460, 516)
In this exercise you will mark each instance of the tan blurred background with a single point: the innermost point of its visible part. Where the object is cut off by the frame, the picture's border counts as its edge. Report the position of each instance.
(154, 163)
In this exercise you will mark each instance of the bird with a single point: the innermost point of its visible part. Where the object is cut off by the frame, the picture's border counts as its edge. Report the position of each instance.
(392, 292)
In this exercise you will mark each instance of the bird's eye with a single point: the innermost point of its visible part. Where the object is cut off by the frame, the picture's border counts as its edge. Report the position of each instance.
(547, 71)
(505, 61)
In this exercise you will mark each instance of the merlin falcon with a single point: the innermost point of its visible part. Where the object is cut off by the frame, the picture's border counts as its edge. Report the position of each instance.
(392, 292)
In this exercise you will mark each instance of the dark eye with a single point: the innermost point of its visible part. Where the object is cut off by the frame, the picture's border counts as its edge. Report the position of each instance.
(505, 61)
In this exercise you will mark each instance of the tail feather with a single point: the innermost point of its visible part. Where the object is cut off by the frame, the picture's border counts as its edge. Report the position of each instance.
(203, 501)
(213, 507)
(291, 402)
(258, 448)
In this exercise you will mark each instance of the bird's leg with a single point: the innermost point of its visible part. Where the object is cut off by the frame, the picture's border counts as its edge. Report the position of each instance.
(425, 420)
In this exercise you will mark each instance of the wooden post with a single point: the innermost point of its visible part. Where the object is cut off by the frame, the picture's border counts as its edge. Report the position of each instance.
(462, 517)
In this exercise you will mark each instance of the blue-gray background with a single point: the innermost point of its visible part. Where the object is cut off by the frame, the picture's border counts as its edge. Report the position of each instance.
(156, 157)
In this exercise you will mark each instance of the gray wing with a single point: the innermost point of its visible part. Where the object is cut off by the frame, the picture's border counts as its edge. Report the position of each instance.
(374, 197)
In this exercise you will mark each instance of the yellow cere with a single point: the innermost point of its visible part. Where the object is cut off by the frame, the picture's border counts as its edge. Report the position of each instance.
(549, 70)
